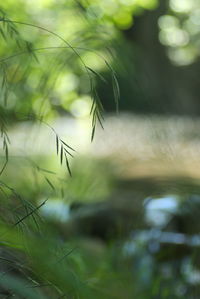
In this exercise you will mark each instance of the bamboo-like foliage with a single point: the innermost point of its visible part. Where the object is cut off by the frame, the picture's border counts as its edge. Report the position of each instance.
(22, 216)
(8, 28)
(5, 139)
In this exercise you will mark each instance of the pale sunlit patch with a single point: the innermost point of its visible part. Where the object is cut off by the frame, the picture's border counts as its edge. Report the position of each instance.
(182, 56)
(81, 107)
(174, 37)
(182, 6)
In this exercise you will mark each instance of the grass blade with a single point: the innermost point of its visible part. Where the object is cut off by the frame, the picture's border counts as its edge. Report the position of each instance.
(61, 154)
(57, 144)
(50, 183)
(67, 145)
(68, 166)
(93, 131)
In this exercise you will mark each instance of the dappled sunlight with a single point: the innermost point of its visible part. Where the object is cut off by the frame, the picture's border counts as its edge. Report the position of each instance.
(138, 145)
(151, 146)
(179, 31)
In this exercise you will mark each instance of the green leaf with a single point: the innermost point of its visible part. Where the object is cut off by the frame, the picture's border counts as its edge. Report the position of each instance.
(116, 90)
(68, 166)
(61, 154)
(50, 183)
(67, 145)
(96, 74)
(46, 170)
(68, 152)
(92, 107)
(99, 116)
(57, 144)
(93, 131)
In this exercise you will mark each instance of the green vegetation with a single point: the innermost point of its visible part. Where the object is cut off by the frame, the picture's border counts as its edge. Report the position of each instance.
(99, 205)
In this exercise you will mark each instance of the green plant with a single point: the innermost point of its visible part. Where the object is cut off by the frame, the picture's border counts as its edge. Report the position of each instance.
(30, 259)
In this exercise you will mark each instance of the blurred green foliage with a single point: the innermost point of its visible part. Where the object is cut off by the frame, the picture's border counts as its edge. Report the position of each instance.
(44, 74)
(179, 31)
